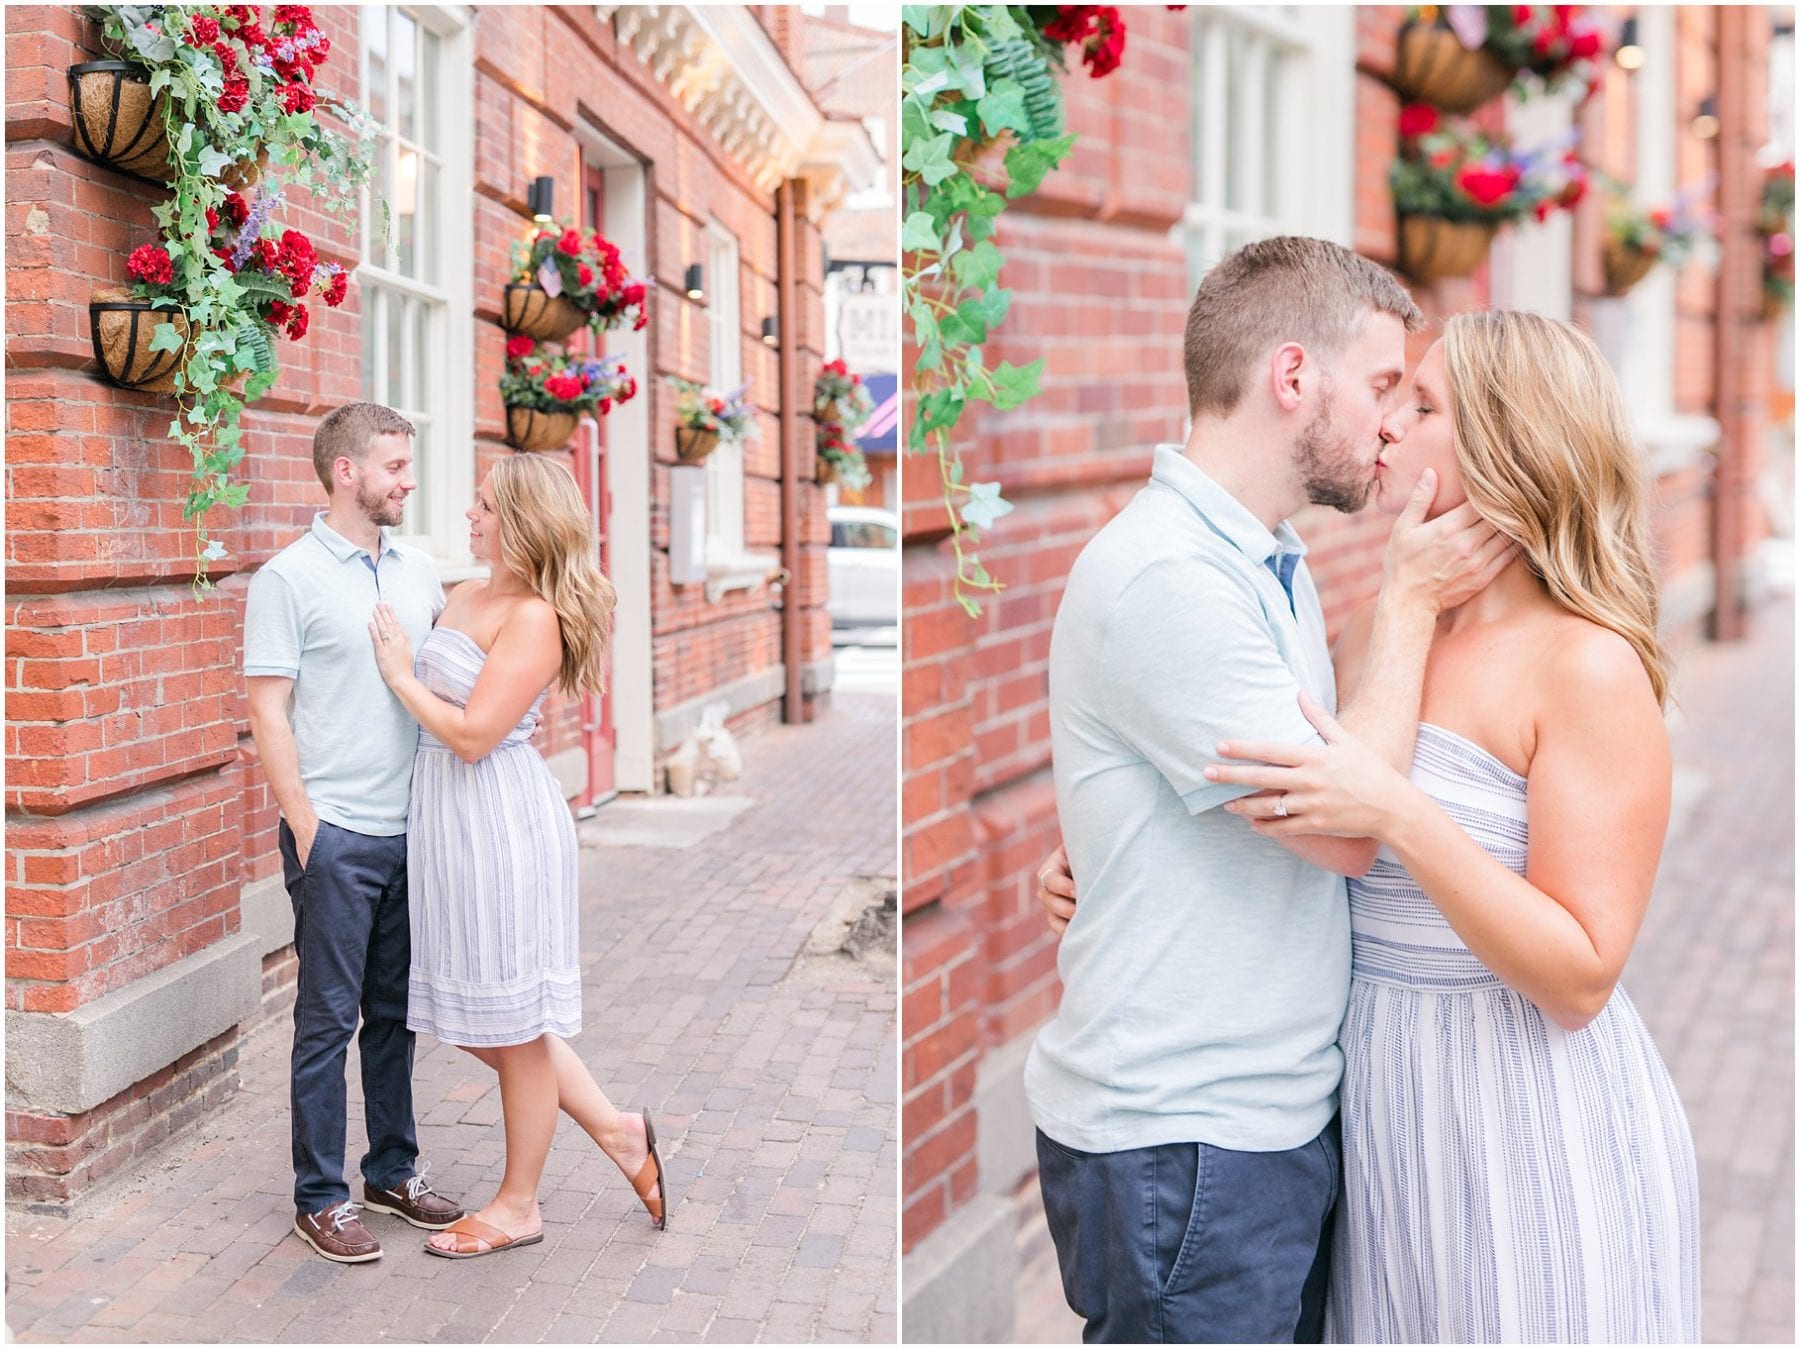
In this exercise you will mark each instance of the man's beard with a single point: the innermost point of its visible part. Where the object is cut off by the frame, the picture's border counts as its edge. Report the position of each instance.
(378, 508)
(1330, 470)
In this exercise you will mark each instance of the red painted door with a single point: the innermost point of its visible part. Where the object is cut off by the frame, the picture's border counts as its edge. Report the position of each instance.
(599, 739)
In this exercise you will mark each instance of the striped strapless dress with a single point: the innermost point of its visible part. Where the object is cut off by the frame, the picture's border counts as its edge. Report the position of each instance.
(490, 878)
(1505, 1180)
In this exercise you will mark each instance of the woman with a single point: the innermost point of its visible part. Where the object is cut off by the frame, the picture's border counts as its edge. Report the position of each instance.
(1516, 1163)
(491, 861)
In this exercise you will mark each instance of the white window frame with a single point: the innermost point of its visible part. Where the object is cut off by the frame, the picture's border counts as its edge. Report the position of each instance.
(1298, 67)
(445, 413)
(725, 371)
(1636, 333)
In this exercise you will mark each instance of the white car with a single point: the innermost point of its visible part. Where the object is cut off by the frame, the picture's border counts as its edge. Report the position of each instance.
(863, 567)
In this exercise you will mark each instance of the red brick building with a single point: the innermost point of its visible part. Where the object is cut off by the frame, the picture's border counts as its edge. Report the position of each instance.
(146, 925)
(1227, 124)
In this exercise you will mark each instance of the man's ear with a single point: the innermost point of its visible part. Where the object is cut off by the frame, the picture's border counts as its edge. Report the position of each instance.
(1289, 372)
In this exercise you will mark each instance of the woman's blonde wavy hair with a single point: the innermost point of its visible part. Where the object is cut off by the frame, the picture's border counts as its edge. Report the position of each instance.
(1548, 458)
(547, 539)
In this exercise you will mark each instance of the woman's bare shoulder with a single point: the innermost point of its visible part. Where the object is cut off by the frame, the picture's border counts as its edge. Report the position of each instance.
(530, 616)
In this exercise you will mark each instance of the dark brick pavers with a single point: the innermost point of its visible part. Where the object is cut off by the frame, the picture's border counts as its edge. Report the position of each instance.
(774, 1099)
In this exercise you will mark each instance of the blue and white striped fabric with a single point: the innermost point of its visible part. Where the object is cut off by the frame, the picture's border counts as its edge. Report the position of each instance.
(1504, 1180)
(490, 877)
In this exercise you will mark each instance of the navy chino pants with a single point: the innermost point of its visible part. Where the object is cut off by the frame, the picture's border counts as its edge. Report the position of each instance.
(354, 942)
(1193, 1244)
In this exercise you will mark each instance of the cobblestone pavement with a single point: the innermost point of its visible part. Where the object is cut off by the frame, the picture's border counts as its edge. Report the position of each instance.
(773, 1082)
(1712, 974)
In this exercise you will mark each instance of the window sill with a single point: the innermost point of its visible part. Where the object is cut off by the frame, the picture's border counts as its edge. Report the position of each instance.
(1672, 441)
(452, 571)
(726, 572)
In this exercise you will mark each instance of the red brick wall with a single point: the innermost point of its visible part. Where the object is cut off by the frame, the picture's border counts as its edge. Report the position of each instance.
(1101, 293)
(135, 810)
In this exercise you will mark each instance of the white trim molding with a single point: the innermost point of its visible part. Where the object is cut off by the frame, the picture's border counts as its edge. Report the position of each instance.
(723, 68)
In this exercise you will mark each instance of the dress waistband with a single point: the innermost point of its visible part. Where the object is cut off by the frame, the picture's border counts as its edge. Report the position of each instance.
(1435, 969)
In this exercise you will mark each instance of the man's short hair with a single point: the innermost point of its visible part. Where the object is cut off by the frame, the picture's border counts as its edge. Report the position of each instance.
(348, 432)
(1286, 289)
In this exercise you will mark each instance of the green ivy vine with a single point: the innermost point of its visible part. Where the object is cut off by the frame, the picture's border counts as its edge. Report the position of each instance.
(971, 76)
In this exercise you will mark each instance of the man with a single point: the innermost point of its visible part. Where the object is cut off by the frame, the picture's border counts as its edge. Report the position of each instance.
(1185, 1091)
(338, 748)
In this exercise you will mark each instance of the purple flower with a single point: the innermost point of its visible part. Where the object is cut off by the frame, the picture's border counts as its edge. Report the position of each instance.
(260, 210)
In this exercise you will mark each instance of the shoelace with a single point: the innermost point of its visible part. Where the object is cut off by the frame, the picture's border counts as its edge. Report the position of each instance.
(417, 1185)
(343, 1213)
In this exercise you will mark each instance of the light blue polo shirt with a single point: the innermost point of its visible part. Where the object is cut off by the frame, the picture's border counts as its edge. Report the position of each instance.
(306, 618)
(1207, 969)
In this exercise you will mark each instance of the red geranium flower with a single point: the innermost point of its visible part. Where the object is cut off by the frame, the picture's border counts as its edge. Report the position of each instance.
(520, 346)
(1584, 43)
(212, 220)
(1661, 217)
(278, 312)
(584, 274)
(297, 98)
(1418, 119)
(1486, 187)
(150, 263)
(634, 293)
(237, 209)
(570, 243)
(337, 290)
(236, 95)
(296, 326)
(203, 31)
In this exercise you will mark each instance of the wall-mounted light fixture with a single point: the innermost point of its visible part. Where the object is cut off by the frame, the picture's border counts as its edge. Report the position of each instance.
(771, 331)
(1706, 123)
(693, 281)
(1629, 56)
(538, 198)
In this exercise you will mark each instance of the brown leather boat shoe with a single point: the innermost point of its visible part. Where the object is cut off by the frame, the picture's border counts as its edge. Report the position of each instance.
(414, 1200)
(337, 1234)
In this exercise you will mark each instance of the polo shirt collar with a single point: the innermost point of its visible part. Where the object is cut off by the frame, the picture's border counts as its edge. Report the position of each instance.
(1223, 513)
(341, 548)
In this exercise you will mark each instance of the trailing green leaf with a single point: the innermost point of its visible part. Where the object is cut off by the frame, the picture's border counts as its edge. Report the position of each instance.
(973, 75)
(1024, 63)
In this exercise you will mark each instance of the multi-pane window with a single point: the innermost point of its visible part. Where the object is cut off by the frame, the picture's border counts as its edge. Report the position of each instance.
(725, 465)
(1272, 128)
(411, 85)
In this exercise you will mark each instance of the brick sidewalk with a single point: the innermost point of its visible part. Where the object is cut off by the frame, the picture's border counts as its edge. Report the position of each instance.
(1712, 974)
(774, 1093)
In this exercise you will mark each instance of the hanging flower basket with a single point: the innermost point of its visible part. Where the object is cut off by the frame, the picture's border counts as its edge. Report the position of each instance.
(122, 327)
(115, 120)
(530, 429)
(1434, 249)
(694, 443)
(1624, 266)
(243, 174)
(535, 312)
(1431, 65)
